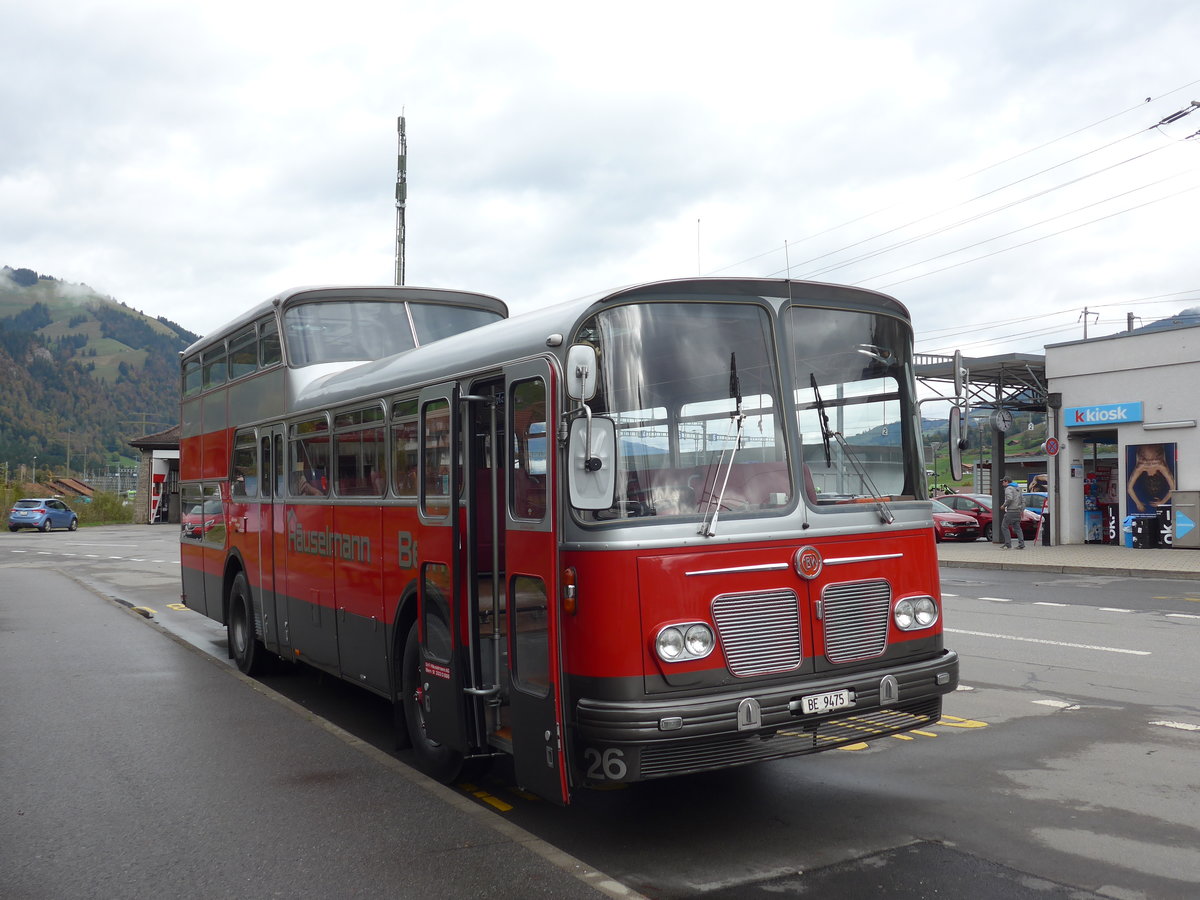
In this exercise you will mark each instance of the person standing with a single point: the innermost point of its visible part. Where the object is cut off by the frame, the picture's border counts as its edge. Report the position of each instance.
(1014, 506)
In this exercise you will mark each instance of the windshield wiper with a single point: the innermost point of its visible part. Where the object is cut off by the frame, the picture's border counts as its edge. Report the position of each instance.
(822, 418)
(708, 527)
(885, 513)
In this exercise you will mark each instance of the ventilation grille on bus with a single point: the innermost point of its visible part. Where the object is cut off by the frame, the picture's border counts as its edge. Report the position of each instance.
(759, 631)
(856, 619)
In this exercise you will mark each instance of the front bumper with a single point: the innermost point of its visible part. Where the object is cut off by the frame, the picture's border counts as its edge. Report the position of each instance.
(661, 737)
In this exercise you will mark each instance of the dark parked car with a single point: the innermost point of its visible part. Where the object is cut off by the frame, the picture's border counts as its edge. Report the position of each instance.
(949, 525)
(42, 514)
(980, 506)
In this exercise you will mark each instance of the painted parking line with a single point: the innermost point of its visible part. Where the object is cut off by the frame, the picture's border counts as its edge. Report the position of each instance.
(997, 599)
(1028, 640)
(1179, 726)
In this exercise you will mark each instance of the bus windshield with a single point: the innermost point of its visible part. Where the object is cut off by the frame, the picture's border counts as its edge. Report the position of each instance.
(851, 397)
(676, 378)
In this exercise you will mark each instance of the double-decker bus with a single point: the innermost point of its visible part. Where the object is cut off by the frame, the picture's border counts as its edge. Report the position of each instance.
(672, 528)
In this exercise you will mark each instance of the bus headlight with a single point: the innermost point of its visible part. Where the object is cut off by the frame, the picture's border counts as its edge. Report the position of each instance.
(698, 641)
(670, 644)
(688, 641)
(915, 613)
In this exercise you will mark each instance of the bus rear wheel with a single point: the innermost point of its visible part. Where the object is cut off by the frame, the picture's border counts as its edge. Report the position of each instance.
(433, 758)
(244, 648)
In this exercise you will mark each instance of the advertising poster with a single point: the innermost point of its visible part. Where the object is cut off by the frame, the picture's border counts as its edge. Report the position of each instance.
(1151, 480)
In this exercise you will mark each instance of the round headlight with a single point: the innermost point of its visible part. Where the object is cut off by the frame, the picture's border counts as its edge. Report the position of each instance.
(670, 643)
(926, 611)
(699, 640)
(904, 615)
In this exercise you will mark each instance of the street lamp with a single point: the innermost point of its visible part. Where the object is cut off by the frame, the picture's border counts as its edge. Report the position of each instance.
(35, 469)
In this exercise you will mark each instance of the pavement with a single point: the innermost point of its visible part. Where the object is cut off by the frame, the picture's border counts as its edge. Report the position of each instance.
(130, 766)
(1073, 559)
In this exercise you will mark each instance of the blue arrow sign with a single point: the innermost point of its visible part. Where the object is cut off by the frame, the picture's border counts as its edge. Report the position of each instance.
(1182, 524)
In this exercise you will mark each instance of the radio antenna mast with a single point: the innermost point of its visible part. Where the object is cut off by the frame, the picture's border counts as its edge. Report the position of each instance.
(401, 195)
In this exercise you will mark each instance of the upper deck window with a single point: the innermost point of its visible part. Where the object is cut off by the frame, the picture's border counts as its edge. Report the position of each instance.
(345, 330)
(434, 322)
(269, 351)
(350, 330)
(191, 376)
(243, 353)
(215, 366)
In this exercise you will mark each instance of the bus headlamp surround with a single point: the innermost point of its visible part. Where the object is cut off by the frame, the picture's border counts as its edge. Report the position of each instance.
(684, 642)
(915, 613)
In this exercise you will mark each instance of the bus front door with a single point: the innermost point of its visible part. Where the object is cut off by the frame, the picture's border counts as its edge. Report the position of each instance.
(531, 581)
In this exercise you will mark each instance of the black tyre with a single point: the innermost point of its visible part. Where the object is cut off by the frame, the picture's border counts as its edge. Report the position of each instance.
(987, 531)
(244, 648)
(74, 526)
(45, 526)
(434, 759)
(13, 527)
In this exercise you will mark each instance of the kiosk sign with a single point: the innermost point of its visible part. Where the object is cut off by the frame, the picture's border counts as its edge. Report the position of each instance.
(1110, 414)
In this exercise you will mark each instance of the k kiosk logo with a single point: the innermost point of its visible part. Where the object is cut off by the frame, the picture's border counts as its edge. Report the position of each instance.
(1110, 414)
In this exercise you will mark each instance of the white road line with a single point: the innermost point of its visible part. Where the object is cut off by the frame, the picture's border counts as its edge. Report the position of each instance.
(1114, 609)
(1009, 637)
(1046, 603)
(1181, 616)
(1182, 726)
(998, 599)
(1058, 704)
(944, 595)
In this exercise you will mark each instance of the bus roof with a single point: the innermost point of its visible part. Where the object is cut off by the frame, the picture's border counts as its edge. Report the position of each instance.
(530, 333)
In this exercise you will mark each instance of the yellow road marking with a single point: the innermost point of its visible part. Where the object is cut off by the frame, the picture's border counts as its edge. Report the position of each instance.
(178, 607)
(956, 722)
(144, 611)
(489, 799)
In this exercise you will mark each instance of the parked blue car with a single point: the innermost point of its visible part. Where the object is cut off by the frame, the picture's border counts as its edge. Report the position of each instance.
(42, 514)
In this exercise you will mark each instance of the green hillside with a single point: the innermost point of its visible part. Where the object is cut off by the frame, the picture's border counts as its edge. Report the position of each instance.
(82, 373)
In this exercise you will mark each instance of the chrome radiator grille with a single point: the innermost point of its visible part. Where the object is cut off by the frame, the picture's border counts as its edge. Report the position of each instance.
(856, 619)
(759, 631)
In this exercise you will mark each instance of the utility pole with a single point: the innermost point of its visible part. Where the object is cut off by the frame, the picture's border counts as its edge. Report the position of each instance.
(1084, 317)
(401, 196)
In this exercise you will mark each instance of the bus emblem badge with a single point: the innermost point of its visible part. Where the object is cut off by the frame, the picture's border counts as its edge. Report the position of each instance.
(807, 562)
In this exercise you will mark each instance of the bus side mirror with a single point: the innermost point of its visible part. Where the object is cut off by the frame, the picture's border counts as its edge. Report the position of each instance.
(957, 444)
(592, 462)
(581, 372)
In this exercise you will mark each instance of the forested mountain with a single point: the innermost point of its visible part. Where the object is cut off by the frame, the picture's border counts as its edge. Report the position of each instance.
(80, 373)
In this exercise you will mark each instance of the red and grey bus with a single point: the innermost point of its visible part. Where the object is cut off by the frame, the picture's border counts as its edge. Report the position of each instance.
(668, 529)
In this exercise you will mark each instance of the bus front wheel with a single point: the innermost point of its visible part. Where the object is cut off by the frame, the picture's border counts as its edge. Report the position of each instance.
(433, 758)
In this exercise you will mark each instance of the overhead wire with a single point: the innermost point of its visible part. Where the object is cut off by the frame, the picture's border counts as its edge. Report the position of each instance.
(980, 196)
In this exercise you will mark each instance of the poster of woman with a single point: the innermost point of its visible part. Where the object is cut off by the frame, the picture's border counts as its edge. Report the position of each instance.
(1151, 481)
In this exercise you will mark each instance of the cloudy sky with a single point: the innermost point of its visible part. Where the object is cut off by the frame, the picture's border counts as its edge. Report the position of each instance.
(997, 167)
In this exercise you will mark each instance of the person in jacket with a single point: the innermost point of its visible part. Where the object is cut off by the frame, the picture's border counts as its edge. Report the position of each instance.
(1014, 506)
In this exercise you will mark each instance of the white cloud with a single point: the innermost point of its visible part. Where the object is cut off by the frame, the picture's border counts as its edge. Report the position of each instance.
(193, 160)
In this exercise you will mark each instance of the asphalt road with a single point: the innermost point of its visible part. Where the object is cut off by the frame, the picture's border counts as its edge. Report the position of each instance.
(1066, 766)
